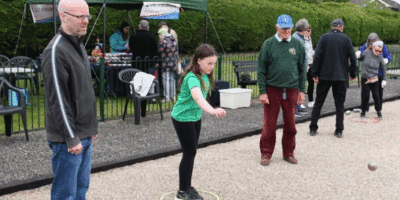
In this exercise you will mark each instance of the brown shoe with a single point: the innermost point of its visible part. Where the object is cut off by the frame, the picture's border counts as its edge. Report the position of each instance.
(291, 160)
(265, 160)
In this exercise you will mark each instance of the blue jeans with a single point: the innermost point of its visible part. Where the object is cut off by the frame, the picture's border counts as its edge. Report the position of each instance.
(71, 172)
(168, 80)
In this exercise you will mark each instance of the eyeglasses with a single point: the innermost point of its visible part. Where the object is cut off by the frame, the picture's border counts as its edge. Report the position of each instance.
(81, 17)
(378, 51)
(285, 29)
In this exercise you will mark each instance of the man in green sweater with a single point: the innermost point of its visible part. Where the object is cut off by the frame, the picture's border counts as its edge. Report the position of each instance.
(281, 76)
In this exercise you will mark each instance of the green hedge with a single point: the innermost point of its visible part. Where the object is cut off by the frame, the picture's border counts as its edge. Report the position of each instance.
(242, 25)
(246, 31)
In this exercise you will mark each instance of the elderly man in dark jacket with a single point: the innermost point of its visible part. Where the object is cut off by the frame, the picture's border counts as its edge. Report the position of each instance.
(331, 69)
(143, 45)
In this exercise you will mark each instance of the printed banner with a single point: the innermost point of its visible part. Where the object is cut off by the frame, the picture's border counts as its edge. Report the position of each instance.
(43, 13)
(160, 10)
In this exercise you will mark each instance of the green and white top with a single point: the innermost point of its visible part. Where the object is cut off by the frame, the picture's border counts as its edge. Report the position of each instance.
(186, 109)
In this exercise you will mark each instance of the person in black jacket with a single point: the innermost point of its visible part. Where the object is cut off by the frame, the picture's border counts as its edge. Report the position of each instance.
(331, 69)
(143, 45)
(71, 119)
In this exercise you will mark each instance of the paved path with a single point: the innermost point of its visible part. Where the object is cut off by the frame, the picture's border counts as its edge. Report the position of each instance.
(329, 168)
(121, 141)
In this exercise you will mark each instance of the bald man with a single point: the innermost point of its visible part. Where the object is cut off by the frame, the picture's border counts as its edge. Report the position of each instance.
(71, 119)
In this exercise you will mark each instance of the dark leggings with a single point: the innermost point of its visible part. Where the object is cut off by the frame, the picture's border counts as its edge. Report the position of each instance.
(188, 134)
(366, 89)
(380, 79)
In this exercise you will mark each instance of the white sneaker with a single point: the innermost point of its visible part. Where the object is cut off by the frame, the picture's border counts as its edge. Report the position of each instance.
(302, 106)
(311, 104)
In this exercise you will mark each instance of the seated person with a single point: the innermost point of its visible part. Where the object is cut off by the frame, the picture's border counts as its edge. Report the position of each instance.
(119, 40)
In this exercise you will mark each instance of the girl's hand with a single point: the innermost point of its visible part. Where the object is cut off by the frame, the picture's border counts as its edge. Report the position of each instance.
(219, 112)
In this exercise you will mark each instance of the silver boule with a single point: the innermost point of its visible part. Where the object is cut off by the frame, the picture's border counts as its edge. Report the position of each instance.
(372, 166)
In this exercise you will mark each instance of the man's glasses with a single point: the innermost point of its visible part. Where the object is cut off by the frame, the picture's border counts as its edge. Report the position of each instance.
(378, 51)
(81, 17)
(285, 29)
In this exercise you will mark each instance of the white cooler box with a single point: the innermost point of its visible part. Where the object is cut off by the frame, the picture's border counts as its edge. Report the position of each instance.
(235, 97)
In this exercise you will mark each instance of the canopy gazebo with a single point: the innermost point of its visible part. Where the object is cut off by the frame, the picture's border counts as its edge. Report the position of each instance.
(197, 5)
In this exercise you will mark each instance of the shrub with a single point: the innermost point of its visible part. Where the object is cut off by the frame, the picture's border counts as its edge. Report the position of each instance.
(242, 25)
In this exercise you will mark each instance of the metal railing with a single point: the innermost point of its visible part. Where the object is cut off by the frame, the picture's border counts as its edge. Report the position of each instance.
(111, 98)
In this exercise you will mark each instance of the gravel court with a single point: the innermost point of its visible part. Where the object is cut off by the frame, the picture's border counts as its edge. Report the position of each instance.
(329, 168)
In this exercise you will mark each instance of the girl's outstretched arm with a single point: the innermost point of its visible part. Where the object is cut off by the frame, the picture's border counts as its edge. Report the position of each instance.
(204, 105)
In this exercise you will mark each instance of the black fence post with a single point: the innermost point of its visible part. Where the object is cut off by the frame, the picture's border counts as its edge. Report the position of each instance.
(219, 66)
(26, 32)
(102, 66)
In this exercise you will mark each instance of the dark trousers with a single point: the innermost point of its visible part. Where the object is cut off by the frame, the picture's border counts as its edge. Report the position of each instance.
(310, 89)
(365, 91)
(271, 111)
(380, 91)
(188, 134)
(143, 106)
(339, 89)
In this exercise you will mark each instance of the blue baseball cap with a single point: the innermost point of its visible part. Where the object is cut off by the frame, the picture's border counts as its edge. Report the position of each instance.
(285, 21)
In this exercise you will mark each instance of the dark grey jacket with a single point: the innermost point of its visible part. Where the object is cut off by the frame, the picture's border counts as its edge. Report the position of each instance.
(70, 100)
(371, 64)
(331, 58)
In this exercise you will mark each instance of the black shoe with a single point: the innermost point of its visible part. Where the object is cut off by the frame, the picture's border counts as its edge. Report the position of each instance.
(380, 115)
(362, 115)
(313, 132)
(338, 134)
(302, 111)
(184, 196)
(195, 194)
(298, 114)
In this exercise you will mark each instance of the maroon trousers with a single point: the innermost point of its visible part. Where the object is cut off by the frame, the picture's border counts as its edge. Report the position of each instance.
(271, 111)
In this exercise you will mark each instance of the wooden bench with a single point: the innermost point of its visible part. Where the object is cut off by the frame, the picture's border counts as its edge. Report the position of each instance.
(245, 66)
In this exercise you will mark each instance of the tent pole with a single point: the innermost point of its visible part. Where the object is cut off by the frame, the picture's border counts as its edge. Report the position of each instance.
(206, 28)
(104, 28)
(26, 32)
(102, 65)
(54, 16)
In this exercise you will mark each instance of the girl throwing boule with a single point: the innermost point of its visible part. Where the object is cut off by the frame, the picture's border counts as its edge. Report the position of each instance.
(186, 114)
